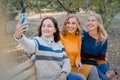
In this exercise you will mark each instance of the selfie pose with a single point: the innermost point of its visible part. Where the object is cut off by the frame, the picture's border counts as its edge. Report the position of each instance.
(51, 60)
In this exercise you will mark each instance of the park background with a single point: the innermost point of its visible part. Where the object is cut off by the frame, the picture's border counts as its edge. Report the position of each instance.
(11, 54)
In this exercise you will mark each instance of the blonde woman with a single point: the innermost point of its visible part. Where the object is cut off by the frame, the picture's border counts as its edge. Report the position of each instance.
(94, 46)
(71, 37)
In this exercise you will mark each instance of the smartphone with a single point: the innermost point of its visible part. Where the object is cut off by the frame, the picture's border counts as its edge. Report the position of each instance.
(24, 18)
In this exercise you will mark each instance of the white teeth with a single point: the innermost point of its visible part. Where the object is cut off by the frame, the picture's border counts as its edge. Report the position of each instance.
(70, 28)
(90, 25)
(46, 32)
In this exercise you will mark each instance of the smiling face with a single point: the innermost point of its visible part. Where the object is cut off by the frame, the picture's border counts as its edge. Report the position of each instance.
(71, 25)
(48, 28)
(92, 23)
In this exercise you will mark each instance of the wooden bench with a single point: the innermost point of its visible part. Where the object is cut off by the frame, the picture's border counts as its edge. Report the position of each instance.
(24, 71)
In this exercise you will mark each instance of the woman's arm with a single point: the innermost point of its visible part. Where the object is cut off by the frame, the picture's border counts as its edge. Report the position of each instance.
(66, 67)
(78, 56)
(28, 45)
(102, 56)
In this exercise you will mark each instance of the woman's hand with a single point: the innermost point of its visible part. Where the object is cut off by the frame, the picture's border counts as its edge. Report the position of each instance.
(20, 28)
(63, 76)
(79, 66)
(111, 74)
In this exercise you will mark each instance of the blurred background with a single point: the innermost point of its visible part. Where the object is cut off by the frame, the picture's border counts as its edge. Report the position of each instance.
(11, 53)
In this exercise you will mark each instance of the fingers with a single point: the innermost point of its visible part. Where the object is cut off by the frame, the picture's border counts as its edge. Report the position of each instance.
(110, 74)
(79, 66)
(20, 28)
(63, 76)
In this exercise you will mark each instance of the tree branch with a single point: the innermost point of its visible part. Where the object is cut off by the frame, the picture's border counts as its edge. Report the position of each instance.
(68, 10)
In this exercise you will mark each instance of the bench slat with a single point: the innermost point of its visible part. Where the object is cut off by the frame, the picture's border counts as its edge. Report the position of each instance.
(24, 71)
(27, 64)
(26, 74)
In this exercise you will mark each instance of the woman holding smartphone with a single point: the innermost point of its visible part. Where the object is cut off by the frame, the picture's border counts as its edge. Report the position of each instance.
(51, 60)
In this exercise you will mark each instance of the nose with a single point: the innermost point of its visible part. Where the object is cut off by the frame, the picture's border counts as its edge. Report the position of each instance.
(70, 25)
(89, 22)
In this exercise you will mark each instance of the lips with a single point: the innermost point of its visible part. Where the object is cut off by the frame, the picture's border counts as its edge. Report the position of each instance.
(90, 26)
(70, 29)
(45, 32)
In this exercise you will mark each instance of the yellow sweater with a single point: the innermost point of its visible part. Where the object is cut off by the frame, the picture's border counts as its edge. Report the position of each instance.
(72, 44)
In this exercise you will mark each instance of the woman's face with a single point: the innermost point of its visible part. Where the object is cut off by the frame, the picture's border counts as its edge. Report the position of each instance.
(92, 23)
(71, 25)
(48, 28)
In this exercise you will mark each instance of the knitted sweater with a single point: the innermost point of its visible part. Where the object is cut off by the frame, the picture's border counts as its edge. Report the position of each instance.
(72, 44)
(50, 59)
(94, 52)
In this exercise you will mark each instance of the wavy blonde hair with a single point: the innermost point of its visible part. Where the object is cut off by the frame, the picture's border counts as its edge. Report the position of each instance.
(102, 33)
(79, 27)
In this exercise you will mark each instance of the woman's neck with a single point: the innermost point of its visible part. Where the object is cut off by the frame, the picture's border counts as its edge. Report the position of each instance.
(48, 38)
(94, 34)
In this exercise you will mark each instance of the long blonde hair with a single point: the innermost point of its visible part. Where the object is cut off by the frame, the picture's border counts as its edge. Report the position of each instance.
(79, 27)
(102, 33)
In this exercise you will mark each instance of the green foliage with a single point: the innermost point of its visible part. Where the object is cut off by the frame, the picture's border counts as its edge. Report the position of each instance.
(71, 6)
(107, 9)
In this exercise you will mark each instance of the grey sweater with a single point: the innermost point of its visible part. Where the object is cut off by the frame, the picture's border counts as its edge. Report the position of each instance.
(50, 57)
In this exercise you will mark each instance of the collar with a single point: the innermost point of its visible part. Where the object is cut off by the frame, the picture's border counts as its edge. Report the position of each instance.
(71, 35)
(48, 40)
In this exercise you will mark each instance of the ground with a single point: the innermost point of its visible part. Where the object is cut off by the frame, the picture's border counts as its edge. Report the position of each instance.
(114, 50)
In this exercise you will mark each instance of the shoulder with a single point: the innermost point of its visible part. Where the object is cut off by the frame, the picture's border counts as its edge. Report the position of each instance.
(36, 37)
(61, 35)
(106, 42)
(85, 34)
(60, 43)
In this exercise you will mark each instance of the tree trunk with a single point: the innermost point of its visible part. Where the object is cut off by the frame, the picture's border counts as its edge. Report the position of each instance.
(68, 10)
